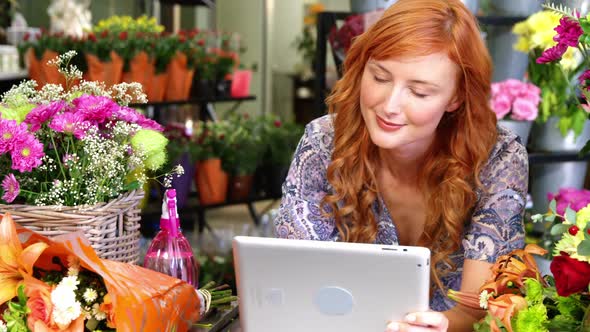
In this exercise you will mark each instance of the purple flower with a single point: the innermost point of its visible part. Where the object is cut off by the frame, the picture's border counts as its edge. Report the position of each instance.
(11, 188)
(146, 123)
(27, 153)
(127, 114)
(42, 113)
(96, 109)
(552, 54)
(9, 132)
(69, 122)
(568, 32)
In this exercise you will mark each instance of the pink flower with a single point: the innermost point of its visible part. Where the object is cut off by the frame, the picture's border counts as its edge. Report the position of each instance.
(127, 114)
(501, 105)
(568, 32)
(9, 132)
(514, 87)
(96, 109)
(42, 113)
(524, 110)
(583, 79)
(27, 153)
(11, 188)
(576, 199)
(552, 54)
(72, 123)
(150, 124)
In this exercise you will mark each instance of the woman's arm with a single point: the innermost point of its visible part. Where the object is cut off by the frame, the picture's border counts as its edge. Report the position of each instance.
(306, 185)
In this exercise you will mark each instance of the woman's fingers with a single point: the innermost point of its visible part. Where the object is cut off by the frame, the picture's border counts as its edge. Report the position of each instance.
(432, 319)
(405, 327)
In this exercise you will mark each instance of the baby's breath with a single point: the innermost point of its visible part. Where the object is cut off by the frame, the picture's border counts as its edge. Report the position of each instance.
(127, 93)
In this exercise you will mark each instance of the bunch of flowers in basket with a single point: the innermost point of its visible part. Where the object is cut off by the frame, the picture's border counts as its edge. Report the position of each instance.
(573, 33)
(78, 145)
(62, 285)
(517, 99)
(536, 36)
(518, 298)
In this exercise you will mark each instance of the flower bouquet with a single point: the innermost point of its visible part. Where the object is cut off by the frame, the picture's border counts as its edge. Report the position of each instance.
(76, 159)
(573, 34)
(518, 298)
(536, 36)
(62, 285)
(516, 105)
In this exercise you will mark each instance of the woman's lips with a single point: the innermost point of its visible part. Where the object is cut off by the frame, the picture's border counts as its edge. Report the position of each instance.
(388, 126)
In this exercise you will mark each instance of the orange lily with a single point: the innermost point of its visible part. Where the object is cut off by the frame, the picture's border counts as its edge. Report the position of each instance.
(514, 268)
(504, 308)
(14, 261)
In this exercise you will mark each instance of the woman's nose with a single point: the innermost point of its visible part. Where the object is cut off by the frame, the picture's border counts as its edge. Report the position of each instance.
(394, 100)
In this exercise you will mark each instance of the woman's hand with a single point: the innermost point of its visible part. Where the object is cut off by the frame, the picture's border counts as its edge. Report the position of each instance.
(427, 321)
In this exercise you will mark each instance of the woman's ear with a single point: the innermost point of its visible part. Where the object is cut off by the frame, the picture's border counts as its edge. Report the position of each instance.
(453, 105)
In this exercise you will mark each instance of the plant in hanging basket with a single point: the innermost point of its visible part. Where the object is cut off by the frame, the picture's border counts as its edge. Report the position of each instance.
(76, 158)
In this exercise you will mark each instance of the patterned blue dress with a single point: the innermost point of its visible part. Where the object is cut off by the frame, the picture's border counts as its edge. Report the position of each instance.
(496, 226)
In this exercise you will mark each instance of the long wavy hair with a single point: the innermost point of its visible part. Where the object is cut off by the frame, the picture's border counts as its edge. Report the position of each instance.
(449, 178)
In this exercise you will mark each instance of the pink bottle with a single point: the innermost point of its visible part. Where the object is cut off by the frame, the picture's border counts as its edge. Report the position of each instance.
(170, 252)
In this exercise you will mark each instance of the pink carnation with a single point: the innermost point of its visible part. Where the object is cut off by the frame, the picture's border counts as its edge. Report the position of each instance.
(42, 113)
(501, 105)
(27, 153)
(11, 188)
(519, 99)
(10, 131)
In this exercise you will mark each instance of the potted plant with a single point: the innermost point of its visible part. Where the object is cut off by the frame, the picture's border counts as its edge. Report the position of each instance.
(104, 64)
(165, 48)
(77, 159)
(516, 105)
(243, 156)
(208, 148)
(281, 139)
(181, 68)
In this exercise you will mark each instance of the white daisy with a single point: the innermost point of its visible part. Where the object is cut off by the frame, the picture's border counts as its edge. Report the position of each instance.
(89, 295)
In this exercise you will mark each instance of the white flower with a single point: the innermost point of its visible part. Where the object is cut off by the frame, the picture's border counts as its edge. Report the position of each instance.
(65, 316)
(89, 295)
(483, 299)
(3, 327)
(70, 282)
(63, 297)
(97, 313)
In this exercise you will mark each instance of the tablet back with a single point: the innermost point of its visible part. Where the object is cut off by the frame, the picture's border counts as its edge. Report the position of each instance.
(298, 285)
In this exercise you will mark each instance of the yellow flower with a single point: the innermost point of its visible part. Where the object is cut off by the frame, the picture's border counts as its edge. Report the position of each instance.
(537, 31)
(153, 145)
(571, 59)
(582, 217)
(14, 261)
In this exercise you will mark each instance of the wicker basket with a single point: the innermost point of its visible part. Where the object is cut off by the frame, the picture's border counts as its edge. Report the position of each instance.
(112, 228)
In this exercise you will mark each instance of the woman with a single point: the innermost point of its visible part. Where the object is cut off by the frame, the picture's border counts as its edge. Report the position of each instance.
(410, 155)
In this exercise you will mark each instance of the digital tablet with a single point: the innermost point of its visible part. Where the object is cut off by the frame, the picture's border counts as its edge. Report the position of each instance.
(300, 285)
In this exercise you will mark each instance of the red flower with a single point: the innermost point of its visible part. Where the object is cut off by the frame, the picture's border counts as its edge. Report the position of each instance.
(571, 275)
(278, 123)
(201, 42)
(123, 35)
(26, 36)
(104, 34)
(91, 37)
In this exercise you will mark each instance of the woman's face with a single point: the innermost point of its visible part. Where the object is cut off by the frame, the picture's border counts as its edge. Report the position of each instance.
(403, 100)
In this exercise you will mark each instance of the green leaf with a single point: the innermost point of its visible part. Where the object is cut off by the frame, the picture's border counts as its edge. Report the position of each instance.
(559, 229)
(133, 185)
(550, 218)
(537, 217)
(584, 248)
(553, 206)
(22, 298)
(570, 215)
(585, 150)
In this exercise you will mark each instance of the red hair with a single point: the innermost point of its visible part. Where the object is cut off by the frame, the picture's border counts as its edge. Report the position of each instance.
(464, 138)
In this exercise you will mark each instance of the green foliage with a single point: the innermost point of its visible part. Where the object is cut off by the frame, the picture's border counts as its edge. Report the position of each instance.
(246, 146)
(282, 139)
(532, 319)
(16, 314)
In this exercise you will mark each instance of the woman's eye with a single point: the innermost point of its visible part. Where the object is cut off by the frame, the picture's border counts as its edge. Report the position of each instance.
(379, 79)
(419, 95)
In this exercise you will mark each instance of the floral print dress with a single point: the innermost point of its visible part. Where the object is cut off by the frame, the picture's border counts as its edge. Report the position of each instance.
(496, 226)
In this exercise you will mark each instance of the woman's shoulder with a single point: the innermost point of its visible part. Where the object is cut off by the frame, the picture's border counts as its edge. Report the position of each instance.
(508, 144)
(320, 132)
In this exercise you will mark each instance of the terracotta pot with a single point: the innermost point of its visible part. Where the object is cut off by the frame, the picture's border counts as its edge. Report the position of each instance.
(157, 88)
(211, 182)
(109, 72)
(35, 70)
(179, 78)
(50, 73)
(240, 187)
(141, 70)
